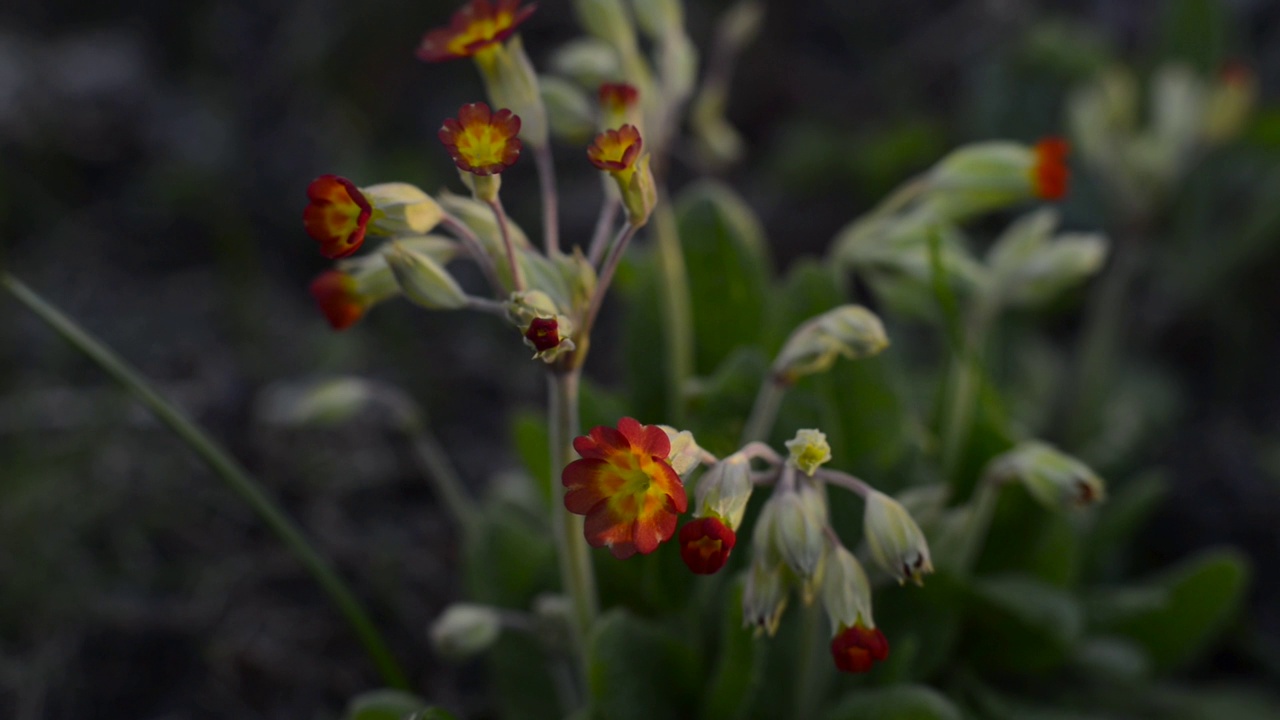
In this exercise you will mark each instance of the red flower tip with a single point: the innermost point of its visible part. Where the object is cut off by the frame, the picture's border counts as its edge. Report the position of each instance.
(482, 142)
(855, 649)
(616, 150)
(624, 486)
(476, 26)
(336, 216)
(705, 544)
(543, 334)
(617, 97)
(1049, 174)
(338, 297)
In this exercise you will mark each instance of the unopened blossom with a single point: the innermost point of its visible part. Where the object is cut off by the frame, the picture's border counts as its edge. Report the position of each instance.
(337, 215)
(619, 153)
(855, 649)
(474, 29)
(338, 296)
(895, 540)
(630, 495)
(1049, 173)
(480, 141)
(618, 104)
(705, 544)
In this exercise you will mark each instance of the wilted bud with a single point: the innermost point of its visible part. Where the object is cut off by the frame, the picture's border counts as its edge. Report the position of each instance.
(685, 453)
(724, 489)
(896, 543)
(851, 331)
(1230, 101)
(512, 83)
(705, 544)
(1054, 478)
(765, 597)
(569, 110)
(809, 450)
(465, 630)
(846, 592)
(423, 281)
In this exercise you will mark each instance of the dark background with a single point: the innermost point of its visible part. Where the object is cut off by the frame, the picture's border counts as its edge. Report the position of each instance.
(153, 163)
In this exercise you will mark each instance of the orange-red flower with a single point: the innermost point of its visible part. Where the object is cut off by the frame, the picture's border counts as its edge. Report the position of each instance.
(855, 649)
(482, 142)
(624, 486)
(705, 544)
(338, 296)
(337, 215)
(1049, 173)
(476, 26)
(616, 150)
(617, 97)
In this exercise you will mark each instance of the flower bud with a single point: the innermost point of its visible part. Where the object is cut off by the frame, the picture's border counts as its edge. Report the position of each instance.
(402, 209)
(724, 489)
(569, 110)
(851, 331)
(809, 450)
(545, 331)
(765, 597)
(846, 592)
(640, 193)
(988, 176)
(1055, 479)
(512, 83)
(423, 281)
(705, 544)
(797, 533)
(896, 543)
(1029, 269)
(609, 20)
(685, 454)
(589, 61)
(465, 630)
(1230, 101)
(855, 649)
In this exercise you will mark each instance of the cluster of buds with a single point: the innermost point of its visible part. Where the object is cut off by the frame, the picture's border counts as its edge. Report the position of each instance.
(629, 483)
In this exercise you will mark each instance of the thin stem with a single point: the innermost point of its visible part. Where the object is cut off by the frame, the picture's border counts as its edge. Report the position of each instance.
(757, 449)
(577, 577)
(963, 383)
(225, 467)
(844, 480)
(765, 410)
(604, 222)
(550, 198)
(493, 307)
(434, 464)
(676, 306)
(517, 277)
(811, 671)
(627, 232)
(475, 249)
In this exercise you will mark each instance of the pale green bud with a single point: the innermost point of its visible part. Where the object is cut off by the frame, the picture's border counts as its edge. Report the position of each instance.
(423, 281)
(589, 61)
(639, 191)
(849, 331)
(896, 542)
(570, 112)
(609, 20)
(981, 177)
(401, 208)
(724, 489)
(524, 307)
(901, 245)
(846, 592)
(465, 630)
(656, 17)
(1029, 269)
(513, 84)
(809, 450)
(484, 188)
(765, 597)
(685, 454)
(796, 533)
(1057, 480)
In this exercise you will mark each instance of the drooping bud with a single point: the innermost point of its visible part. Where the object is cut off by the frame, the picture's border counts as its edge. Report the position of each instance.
(846, 592)
(685, 453)
(705, 544)
(849, 331)
(809, 450)
(423, 281)
(896, 542)
(765, 597)
(794, 533)
(724, 489)
(855, 649)
(1057, 480)
(465, 630)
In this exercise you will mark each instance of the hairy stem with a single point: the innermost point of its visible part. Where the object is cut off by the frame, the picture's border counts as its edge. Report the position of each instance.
(550, 198)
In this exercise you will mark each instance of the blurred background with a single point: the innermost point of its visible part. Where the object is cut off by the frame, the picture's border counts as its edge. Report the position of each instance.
(155, 162)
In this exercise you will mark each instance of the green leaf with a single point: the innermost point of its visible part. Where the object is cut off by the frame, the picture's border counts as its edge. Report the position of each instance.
(640, 671)
(739, 665)
(1120, 518)
(510, 558)
(729, 270)
(385, 704)
(1023, 625)
(643, 341)
(900, 702)
(533, 446)
(1203, 594)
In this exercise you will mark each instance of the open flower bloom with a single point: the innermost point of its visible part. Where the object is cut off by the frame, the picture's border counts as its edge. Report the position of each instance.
(1049, 174)
(705, 544)
(475, 28)
(339, 298)
(337, 216)
(855, 649)
(616, 151)
(624, 486)
(480, 141)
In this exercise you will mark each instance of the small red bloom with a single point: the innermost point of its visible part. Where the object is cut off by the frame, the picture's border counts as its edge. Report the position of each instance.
(337, 215)
(617, 97)
(476, 26)
(855, 649)
(616, 150)
(624, 486)
(705, 544)
(480, 141)
(1049, 174)
(543, 334)
(338, 297)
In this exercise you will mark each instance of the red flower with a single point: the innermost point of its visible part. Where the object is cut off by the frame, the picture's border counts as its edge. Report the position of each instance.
(855, 649)
(624, 486)
(617, 97)
(337, 215)
(480, 141)
(705, 544)
(1049, 174)
(543, 334)
(339, 299)
(616, 150)
(475, 26)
